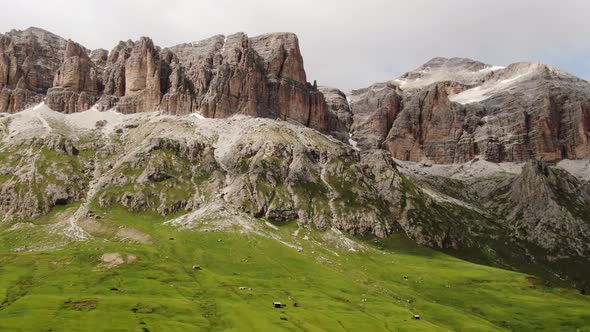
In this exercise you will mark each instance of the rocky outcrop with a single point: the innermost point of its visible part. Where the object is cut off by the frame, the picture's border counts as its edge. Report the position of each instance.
(374, 110)
(261, 76)
(218, 77)
(446, 111)
(77, 71)
(99, 57)
(75, 83)
(28, 62)
(339, 114)
(430, 127)
(137, 65)
(453, 110)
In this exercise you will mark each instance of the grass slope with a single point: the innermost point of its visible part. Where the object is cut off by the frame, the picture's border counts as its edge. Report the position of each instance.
(336, 289)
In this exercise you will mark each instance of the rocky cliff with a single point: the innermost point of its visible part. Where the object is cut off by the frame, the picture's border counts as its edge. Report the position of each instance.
(218, 77)
(453, 110)
(28, 62)
(446, 111)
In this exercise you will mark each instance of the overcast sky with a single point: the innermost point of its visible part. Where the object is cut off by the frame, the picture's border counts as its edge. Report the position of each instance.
(346, 44)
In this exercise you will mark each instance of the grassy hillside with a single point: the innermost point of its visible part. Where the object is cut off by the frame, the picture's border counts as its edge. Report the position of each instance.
(328, 281)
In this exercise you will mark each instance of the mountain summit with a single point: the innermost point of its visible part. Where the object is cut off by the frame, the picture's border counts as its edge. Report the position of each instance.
(455, 110)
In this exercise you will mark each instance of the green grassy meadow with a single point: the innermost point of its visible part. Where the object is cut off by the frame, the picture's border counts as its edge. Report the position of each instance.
(325, 285)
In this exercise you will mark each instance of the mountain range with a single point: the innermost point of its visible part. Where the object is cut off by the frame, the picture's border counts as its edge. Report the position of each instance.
(485, 163)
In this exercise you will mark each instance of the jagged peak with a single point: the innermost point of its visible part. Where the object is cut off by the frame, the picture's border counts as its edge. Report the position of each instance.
(466, 63)
(514, 76)
(538, 68)
(289, 40)
(288, 35)
(472, 72)
(37, 29)
(143, 40)
(37, 32)
(462, 70)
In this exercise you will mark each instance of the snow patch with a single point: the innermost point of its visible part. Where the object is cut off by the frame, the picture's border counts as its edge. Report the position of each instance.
(197, 115)
(578, 168)
(470, 96)
(485, 91)
(223, 47)
(400, 82)
(506, 81)
(41, 106)
(492, 68)
(353, 143)
(94, 119)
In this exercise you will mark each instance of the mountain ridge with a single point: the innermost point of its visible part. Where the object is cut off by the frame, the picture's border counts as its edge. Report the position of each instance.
(262, 76)
(521, 112)
(462, 109)
(140, 128)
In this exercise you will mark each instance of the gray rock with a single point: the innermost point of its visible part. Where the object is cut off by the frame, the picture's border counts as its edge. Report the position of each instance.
(454, 110)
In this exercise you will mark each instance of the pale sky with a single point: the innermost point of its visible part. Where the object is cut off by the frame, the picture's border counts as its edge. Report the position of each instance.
(345, 44)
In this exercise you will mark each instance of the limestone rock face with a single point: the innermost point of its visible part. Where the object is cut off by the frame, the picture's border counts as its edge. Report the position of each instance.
(131, 76)
(428, 132)
(261, 76)
(339, 114)
(99, 57)
(77, 71)
(218, 77)
(453, 110)
(142, 78)
(75, 83)
(374, 110)
(28, 62)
